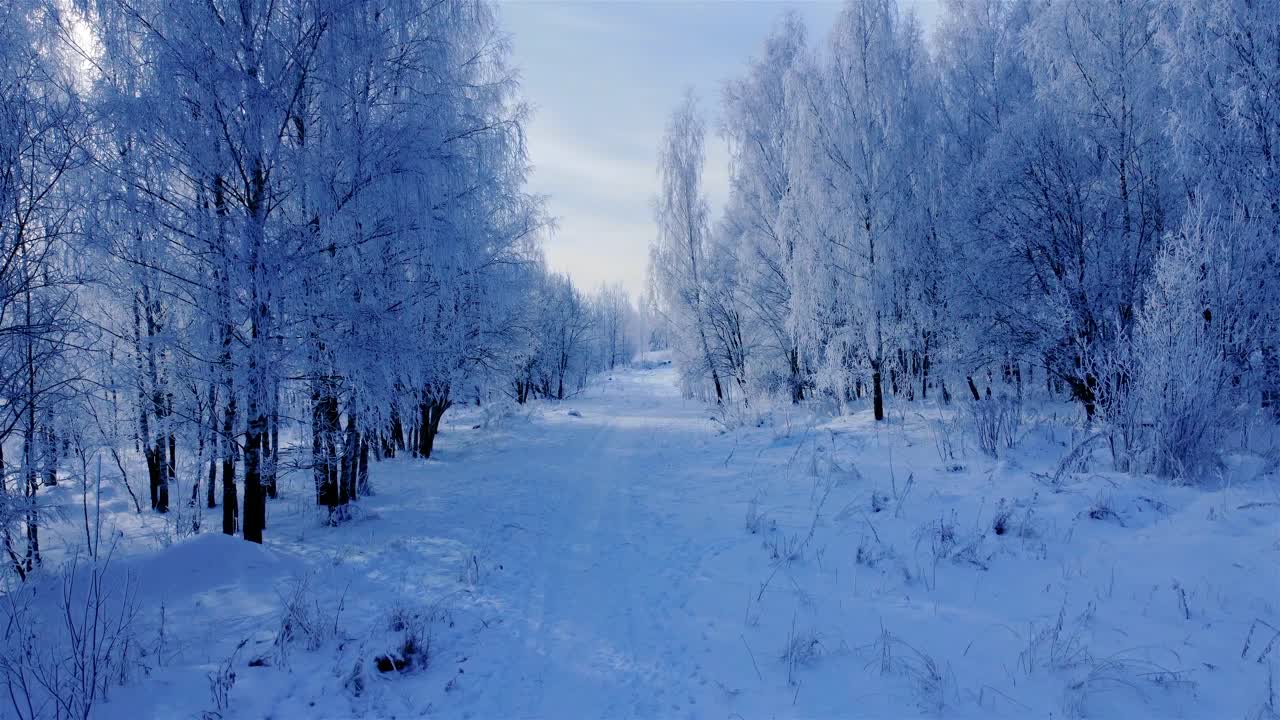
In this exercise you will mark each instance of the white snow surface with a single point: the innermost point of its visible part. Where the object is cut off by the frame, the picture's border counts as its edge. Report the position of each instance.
(624, 555)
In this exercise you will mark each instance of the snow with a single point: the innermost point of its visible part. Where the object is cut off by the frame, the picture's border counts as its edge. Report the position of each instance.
(596, 558)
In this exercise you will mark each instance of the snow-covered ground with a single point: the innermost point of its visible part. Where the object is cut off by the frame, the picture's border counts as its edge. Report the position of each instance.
(622, 555)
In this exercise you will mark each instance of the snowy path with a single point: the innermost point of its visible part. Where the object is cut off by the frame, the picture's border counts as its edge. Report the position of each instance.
(601, 566)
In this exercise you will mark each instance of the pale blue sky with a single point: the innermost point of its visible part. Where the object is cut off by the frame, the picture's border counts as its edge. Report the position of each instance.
(602, 77)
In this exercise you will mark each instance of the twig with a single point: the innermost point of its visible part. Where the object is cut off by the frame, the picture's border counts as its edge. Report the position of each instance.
(752, 656)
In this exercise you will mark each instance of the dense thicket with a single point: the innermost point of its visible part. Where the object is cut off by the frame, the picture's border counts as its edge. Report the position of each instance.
(245, 238)
(1076, 199)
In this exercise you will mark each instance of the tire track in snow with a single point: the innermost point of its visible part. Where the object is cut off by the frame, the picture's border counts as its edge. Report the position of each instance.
(596, 589)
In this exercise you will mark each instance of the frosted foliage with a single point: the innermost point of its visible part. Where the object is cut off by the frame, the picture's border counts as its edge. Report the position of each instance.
(909, 223)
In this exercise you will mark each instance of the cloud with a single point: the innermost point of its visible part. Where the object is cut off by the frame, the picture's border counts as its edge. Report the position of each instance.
(597, 249)
(602, 77)
(602, 202)
(563, 164)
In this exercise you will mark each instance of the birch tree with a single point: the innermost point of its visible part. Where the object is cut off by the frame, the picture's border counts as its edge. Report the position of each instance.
(678, 258)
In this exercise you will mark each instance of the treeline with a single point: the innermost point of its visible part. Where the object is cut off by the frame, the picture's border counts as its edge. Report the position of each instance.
(239, 238)
(1081, 198)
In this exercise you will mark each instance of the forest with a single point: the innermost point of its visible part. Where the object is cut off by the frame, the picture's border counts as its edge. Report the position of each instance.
(274, 271)
(224, 221)
(1065, 200)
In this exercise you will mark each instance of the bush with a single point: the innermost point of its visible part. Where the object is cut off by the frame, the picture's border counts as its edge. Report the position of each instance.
(301, 620)
(1195, 337)
(58, 660)
(995, 422)
(413, 645)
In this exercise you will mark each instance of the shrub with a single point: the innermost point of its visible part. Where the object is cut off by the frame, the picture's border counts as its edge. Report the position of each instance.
(995, 422)
(58, 660)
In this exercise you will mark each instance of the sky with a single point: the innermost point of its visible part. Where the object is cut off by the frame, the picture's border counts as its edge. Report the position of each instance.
(602, 77)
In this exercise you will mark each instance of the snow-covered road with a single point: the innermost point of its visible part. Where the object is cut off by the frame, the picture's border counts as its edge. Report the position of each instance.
(598, 565)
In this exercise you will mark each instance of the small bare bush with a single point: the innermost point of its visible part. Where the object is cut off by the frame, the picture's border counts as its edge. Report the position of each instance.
(756, 520)
(470, 574)
(1263, 637)
(1270, 708)
(1054, 646)
(59, 659)
(785, 548)
(302, 621)
(871, 552)
(1120, 673)
(1000, 521)
(501, 412)
(945, 543)
(895, 656)
(223, 679)
(803, 647)
(1102, 508)
(947, 438)
(1076, 460)
(411, 648)
(995, 422)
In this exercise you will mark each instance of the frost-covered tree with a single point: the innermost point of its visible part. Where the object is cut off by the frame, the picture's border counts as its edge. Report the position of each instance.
(1073, 195)
(226, 91)
(860, 118)
(1197, 328)
(44, 131)
(321, 193)
(678, 260)
(762, 237)
(1223, 67)
(617, 326)
(567, 321)
(1053, 191)
(984, 84)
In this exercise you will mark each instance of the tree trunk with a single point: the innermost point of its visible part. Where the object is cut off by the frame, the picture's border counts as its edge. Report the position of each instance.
(258, 371)
(271, 440)
(202, 435)
(431, 412)
(425, 440)
(924, 371)
(212, 499)
(877, 392)
(144, 417)
(230, 501)
(173, 457)
(222, 279)
(31, 481)
(268, 478)
(255, 502)
(362, 474)
(397, 432)
(348, 461)
(797, 382)
(161, 470)
(973, 388)
(50, 457)
(321, 452)
(153, 470)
